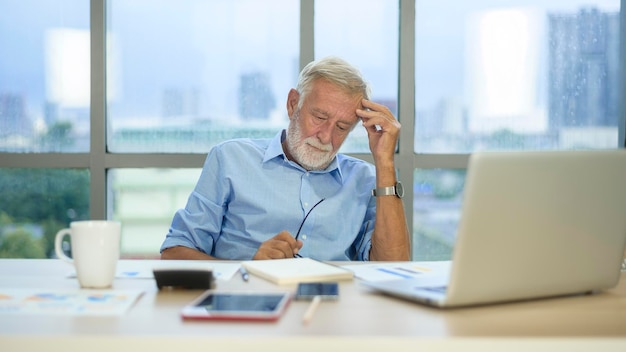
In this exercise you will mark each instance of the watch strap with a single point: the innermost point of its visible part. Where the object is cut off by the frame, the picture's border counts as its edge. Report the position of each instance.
(384, 191)
(395, 190)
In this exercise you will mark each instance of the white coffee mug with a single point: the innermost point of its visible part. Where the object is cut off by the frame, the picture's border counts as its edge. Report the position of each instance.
(95, 250)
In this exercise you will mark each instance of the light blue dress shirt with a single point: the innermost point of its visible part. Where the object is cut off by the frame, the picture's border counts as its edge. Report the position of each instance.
(249, 191)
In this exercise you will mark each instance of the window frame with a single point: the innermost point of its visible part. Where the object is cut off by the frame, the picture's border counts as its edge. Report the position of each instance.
(98, 160)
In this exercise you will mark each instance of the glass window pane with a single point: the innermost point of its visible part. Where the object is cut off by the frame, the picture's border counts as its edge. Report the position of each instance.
(185, 75)
(44, 76)
(144, 201)
(365, 33)
(437, 203)
(35, 204)
(524, 74)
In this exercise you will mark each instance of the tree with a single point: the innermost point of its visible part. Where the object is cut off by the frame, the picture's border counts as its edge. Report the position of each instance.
(50, 198)
(20, 244)
(506, 138)
(58, 137)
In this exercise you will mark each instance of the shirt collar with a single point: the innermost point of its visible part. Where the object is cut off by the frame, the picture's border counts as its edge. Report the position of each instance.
(275, 150)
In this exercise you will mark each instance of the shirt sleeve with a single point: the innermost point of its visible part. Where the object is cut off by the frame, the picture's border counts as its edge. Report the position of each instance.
(198, 225)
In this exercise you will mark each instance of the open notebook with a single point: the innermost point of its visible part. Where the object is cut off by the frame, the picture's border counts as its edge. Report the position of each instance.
(533, 224)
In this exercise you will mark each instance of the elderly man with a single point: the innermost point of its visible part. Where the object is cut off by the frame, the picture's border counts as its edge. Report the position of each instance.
(294, 195)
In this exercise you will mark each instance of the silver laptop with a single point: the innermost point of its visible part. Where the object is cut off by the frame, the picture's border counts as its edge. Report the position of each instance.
(533, 224)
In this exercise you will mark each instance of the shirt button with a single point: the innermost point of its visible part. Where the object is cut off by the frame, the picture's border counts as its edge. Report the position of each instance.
(306, 205)
(304, 237)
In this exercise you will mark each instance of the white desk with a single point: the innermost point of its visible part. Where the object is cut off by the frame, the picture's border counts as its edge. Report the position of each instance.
(359, 321)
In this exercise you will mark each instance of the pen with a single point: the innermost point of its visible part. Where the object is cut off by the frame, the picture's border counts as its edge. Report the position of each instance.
(244, 273)
(308, 315)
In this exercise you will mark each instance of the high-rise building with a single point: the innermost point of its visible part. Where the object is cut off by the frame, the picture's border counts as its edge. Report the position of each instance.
(583, 69)
(501, 76)
(180, 102)
(13, 119)
(256, 99)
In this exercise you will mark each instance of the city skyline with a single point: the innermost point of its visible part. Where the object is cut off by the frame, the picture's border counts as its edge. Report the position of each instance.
(157, 109)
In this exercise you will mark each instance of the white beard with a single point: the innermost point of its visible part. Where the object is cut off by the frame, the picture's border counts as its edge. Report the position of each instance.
(310, 153)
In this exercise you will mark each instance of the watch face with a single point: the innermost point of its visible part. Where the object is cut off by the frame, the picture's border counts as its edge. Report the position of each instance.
(399, 190)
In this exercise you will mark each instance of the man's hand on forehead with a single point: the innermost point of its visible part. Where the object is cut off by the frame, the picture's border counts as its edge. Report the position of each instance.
(374, 116)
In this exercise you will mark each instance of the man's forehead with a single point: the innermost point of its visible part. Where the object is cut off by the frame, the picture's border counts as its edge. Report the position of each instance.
(337, 103)
(324, 86)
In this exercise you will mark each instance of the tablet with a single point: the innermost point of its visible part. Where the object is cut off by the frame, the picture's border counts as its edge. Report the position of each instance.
(218, 305)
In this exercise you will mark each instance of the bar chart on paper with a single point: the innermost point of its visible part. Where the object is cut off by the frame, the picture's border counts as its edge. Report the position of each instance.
(400, 270)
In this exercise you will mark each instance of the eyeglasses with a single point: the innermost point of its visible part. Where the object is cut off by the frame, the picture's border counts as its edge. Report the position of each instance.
(302, 223)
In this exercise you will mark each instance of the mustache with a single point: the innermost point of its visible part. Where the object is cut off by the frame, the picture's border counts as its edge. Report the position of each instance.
(312, 141)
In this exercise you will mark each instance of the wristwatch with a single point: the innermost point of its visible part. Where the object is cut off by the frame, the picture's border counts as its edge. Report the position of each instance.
(395, 190)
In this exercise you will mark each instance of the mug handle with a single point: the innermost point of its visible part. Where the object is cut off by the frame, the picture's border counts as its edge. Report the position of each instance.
(58, 248)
